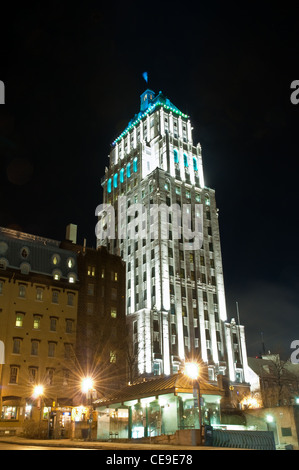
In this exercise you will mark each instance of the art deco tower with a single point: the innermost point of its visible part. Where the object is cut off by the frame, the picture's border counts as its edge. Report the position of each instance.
(176, 308)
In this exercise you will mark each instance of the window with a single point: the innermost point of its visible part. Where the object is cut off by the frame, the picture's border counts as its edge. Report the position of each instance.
(36, 322)
(9, 412)
(55, 259)
(70, 299)
(70, 262)
(34, 347)
(32, 372)
(22, 291)
(91, 271)
(195, 167)
(16, 346)
(51, 349)
(69, 326)
(128, 170)
(115, 180)
(39, 293)
(121, 175)
(55, 295)
(135, 165)
(14, 375)
(112, 357)
(53, 323)
(90, 289)
(113, 312)
(72, 278)
(25, 268)
(185, 161)
(19, 320)
(25, 252)
(89, 308)
(113, 294)
(56, 275)
(1, 287)
(175, 156)
(109, 185)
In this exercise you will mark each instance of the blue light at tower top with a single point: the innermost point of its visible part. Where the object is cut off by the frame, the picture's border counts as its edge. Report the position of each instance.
(148, 102)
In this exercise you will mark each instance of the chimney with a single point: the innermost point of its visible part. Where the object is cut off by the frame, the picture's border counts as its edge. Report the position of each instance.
(71, 233)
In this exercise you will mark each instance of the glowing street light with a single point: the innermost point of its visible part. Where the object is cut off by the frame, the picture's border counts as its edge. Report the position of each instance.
(87, 385)
(192, 371)
(38, 391)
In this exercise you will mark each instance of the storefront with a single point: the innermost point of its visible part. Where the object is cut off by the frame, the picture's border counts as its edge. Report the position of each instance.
(158, 406)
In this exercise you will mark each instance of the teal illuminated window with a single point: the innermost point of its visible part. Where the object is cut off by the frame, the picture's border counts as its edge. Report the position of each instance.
(135, 165)
(109, 185)
(176, 156)
(128, 170)
(115, 180)
(195, 164)
(121, 175)
(185, 160)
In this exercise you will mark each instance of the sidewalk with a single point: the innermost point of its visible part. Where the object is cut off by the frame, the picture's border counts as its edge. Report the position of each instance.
(98, 445)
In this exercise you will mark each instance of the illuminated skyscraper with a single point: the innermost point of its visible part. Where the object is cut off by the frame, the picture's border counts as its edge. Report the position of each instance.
(176, 307)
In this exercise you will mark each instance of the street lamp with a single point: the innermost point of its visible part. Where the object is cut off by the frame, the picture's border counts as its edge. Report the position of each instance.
(192, 371)
(87, 388)
(38, 392)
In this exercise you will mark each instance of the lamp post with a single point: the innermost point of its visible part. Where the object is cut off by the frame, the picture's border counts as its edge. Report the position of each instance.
(37, 394)
(192, 371)
(87, 388)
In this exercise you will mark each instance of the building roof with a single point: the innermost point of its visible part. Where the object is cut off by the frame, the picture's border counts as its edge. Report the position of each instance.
(18, 248)
(177, 383)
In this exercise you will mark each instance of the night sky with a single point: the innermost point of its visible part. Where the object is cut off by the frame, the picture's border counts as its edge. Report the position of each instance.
(73, 79)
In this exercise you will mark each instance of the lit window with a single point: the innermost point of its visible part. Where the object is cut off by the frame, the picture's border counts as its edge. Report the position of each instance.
(135, 165)
(56, 275)
(91, 271)
(115, 180)
(36, 322)
(113, 312)
(112, 357)
(109, 185)
(72, 278)
(70, 262)
(176, 156)
(195, 164)
(185, 160)
(19, 320)
(55, 259)
(207, 200)
(128, 170)
(121, 175)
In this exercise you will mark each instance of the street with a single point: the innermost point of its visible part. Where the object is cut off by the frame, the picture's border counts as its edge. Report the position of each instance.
(12, 446)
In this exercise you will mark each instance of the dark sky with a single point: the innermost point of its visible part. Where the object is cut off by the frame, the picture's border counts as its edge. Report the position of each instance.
(73, 77)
